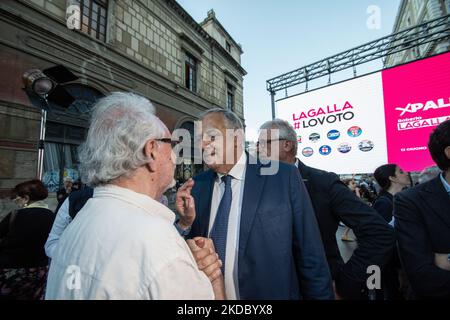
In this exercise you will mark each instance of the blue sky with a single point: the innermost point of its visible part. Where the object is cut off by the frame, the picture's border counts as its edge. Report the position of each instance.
(279, 36)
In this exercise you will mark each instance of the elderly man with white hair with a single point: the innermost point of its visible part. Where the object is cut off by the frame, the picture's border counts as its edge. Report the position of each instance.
(123, 244)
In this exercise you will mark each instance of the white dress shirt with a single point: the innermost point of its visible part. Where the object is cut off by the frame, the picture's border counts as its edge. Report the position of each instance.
(61, 222)
(123, 245)
(445, 183)
(237, 189)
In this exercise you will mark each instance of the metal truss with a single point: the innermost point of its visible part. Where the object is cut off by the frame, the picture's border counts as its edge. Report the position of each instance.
(430, 31)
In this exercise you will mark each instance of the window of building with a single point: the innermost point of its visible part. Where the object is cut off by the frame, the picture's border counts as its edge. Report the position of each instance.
(93, 18)
(230, 97)
(190, 69)
(192, 165)
(64, 133)
(228, 46)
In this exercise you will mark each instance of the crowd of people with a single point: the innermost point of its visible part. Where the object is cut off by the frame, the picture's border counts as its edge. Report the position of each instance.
(241, 230)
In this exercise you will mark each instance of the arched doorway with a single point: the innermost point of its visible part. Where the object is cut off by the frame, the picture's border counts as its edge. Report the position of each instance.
(66, 129)
(189, 166)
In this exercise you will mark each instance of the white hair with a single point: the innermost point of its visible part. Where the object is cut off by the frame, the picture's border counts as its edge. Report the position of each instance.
(231, 118)
(286, 131)
(120, 126)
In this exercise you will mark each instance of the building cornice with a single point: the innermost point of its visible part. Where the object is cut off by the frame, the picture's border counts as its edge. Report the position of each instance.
(398, 18)
(199, 29)
(217, 22)
(102, 60)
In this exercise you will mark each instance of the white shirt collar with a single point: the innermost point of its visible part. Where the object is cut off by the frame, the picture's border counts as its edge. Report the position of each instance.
(238, 170)
(136, 199)
(445, 183)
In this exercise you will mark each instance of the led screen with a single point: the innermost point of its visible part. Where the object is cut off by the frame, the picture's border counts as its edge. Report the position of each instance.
(385, 117)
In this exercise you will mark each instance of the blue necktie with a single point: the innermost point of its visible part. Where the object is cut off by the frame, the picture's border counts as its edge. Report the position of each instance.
(220, 227)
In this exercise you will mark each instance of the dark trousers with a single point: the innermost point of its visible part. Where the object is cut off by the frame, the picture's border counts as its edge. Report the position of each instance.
(390, 279)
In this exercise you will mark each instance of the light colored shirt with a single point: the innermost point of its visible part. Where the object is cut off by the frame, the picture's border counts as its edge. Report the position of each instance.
(237, 190)
(297, 164)
(38, 204)
(63, 219)
(392, 222)
(445, 183)
(61, 222)
(123, 245)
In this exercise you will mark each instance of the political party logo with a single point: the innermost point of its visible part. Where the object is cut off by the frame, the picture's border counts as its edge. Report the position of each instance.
(414, 107)
(307, 152)
(365, 145)
(344, 147)
(354, 131)
(299, 138)
(333, 134)
(325, 150)
(314, 137)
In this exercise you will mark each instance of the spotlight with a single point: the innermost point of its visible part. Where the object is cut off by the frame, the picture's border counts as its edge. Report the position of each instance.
(36, 81)
(44, 89)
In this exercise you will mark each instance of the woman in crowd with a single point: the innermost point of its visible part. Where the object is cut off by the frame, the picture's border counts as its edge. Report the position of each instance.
(23, 232)
(392, 179)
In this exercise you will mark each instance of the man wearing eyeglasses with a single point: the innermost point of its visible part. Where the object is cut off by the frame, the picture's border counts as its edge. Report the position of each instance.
(261, 222)
(334, 202)
(122, 244)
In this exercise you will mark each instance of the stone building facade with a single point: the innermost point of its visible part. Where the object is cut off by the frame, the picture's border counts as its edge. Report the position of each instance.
(150, 47)
(415, 12)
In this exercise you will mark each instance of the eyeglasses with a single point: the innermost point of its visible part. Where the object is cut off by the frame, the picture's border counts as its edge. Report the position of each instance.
(263, 143)
(168, 140)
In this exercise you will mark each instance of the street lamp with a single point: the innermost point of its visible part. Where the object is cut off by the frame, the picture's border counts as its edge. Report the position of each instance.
(44, 89)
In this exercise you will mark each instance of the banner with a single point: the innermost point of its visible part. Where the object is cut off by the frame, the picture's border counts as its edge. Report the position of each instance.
(385, 117)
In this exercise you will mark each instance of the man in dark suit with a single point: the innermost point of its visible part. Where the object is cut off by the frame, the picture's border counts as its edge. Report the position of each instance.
(259, 217)
(334, 202)
(422, 222)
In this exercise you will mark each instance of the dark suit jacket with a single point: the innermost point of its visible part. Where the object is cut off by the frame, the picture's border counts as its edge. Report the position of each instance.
(422, 222)
(61, 196)
(280, 251)
(333, 201)
(384, 205)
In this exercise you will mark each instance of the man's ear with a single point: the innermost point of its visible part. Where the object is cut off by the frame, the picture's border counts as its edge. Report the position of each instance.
(287, 145)
(150, 150)
(447, 152)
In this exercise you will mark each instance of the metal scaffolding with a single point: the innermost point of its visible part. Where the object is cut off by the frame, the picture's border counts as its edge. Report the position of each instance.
(431, 31)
